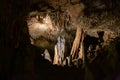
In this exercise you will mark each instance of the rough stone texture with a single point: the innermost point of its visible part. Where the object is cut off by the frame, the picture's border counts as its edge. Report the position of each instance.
(75, 1)
(76, 10)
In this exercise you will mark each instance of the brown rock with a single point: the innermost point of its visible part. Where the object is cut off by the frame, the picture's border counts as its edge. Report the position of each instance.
(76, 10)
(108, 35)
(75, 1)
(47, 55)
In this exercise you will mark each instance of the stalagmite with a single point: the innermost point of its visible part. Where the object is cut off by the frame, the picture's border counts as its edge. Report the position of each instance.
(59, 50)
(61, 47)
(81, 54)
(77, 51)
(56, 57)
(67, 61)
(76, 42)
(47, 55)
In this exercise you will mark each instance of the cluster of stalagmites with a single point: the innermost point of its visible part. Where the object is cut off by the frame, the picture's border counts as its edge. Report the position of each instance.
(45, 28)
(85, 48)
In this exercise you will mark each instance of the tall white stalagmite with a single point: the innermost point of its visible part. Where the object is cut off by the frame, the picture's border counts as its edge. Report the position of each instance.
(61, 47)
(59, 51)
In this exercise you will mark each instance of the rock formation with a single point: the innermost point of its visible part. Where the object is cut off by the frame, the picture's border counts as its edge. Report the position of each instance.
(91, 30)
